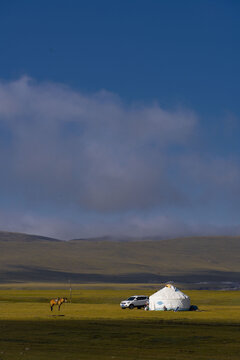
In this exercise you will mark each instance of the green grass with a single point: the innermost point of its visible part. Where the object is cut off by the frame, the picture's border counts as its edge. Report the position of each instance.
(94, 327)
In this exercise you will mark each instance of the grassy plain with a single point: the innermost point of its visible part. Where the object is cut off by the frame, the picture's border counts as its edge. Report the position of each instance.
(25, 258)
(94, 327)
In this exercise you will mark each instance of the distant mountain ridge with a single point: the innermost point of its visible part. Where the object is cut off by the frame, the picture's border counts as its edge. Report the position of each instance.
(8, 236)
(25, 257)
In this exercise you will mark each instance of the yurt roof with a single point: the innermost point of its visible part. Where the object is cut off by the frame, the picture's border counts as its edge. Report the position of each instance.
(170, 292)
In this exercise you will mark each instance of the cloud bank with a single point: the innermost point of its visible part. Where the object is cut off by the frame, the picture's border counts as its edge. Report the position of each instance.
(117, 168)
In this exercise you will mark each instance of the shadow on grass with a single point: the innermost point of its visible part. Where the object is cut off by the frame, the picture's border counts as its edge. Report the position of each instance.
(32, 274)
(128, 339)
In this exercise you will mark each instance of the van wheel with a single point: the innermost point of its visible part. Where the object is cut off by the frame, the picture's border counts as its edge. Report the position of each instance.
(131, 306)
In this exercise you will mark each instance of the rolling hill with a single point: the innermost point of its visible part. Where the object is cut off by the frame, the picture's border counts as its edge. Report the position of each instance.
(36, 258)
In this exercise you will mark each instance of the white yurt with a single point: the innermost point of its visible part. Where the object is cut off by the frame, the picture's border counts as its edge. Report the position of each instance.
(169, 298)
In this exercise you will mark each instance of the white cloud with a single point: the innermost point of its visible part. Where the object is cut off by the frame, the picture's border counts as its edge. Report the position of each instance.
(90, 150)
(132, 225)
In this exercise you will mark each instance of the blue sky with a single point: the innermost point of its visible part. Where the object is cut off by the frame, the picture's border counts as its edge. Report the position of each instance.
(120, 117)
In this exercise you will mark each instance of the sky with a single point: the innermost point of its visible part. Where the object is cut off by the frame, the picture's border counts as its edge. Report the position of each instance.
(120, 118)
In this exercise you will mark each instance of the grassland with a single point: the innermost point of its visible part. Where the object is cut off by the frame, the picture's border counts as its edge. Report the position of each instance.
(32, 258)
(94, 327)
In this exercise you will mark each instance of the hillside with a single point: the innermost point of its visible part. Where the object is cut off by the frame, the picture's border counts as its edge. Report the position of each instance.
(36, 258)
(13, 236)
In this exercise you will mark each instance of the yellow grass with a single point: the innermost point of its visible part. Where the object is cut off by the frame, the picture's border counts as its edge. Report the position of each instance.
(94, 327)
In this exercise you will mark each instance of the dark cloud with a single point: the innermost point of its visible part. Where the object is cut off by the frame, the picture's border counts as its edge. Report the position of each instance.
(91, 152)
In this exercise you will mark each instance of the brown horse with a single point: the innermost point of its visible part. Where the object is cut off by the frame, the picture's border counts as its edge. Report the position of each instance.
(57, 301)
